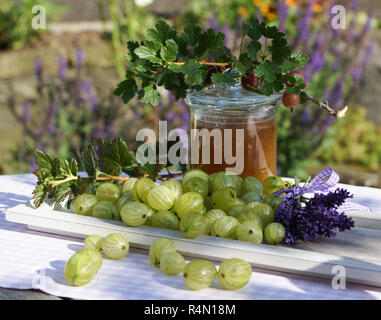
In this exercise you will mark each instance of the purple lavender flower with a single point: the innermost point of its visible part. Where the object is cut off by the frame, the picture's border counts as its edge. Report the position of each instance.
(318, 57)
(110, 129)
(306, 116)
(79, 58)
(38, 68)
(33, 166)
(282, 13)
(87, 94)
(358, 71)
(305, 21)
(171, 116)
(336, 63)
(99, 130)
(326, 124)
(355, 5)
(213, 23)
(62, 62)
(337, 92)
(228, 36)
(26, 112)
(319, 216)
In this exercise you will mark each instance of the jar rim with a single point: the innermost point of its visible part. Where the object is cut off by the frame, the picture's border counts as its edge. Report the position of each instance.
(229, 95)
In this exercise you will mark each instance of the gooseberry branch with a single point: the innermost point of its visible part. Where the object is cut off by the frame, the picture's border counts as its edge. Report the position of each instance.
(325, 106)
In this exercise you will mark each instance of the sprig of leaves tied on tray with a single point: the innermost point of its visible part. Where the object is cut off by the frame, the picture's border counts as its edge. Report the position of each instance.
(196, 58)
(102, 161)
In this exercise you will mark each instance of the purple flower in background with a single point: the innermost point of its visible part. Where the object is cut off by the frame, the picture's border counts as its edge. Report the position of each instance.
(110, 129)
(306, 116)
(33, 166)
(62, 70)
(304, 22)
(355, 5)
(87, 94)
(336, 63)
(79, 58)
(368, 23)
(282, 13)
(38, 68)
(99, 130)
(214, 24)
(228, 36)
(327, 123)
(358, 71)
(352, 26)
(51, 114)
(26, 112)
(337, 92)
(318, 57)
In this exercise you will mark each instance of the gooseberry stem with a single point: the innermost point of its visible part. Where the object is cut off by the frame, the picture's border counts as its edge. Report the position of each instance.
(325, 106)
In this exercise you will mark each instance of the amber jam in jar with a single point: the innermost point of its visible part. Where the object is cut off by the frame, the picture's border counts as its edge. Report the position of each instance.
(246, 143)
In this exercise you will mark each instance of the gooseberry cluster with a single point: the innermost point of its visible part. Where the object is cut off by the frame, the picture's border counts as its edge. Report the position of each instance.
(221, 205)
(198, 274)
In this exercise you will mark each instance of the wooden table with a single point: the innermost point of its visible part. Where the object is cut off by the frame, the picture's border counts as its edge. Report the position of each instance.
(12, 294)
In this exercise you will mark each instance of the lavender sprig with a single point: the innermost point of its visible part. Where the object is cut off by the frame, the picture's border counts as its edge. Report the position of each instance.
(318, 216)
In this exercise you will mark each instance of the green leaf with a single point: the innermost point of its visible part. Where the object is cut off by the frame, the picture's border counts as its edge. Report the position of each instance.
(267, 88)
(43, 160)
(63, 191)
(195, 73)
(88, 160)
(226, 77)
(42, 174)
(268, 70)
(131, 56)
(169, 52)
(169, 80)
(252, 49)
(147, 53)
(151, 169)
(298, 84)
(114, 157)
(162, 32)
(303, 97)
(40, 193)
(246, 61)
(253, 30)
(191, 34)
(127, 88)
(149, 94)
(175, 67)
(280, 50)
(270, 32)
(209, 40)
(73, 167)
(296, 61)
(154, 45)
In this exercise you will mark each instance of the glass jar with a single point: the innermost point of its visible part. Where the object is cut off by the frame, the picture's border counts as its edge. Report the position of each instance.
(245, 139)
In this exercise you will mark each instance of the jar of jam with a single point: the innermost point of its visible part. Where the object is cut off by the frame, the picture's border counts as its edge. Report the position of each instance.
(233, 129)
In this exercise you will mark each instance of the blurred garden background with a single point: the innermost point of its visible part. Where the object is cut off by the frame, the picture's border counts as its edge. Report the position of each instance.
(56, 84)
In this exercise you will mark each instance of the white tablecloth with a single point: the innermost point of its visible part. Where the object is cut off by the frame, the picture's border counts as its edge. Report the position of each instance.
(30, 259)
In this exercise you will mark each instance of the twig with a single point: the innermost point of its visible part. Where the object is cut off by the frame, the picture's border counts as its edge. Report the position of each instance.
(325, 106)
(221, 64)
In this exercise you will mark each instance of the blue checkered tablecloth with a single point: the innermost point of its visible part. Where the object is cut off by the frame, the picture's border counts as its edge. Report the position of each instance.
(30, 259)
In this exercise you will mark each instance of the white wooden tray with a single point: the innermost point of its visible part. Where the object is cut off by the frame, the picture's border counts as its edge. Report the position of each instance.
(358, 250)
